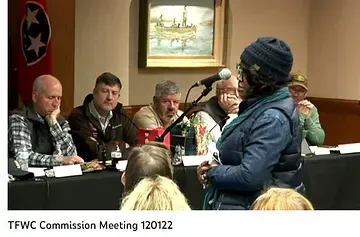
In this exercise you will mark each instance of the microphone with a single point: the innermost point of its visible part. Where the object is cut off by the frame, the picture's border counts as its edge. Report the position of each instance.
(131, 121)
(79, 134)
(224, 74)
(101, 146)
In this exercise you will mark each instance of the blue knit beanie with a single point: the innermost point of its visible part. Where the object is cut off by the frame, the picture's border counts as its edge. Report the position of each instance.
(270, 57)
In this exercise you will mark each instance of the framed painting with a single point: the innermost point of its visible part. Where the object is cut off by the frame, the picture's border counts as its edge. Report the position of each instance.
(181, 33)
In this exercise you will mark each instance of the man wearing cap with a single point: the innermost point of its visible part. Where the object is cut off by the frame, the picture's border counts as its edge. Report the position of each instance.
(260, 148)
(309, 116)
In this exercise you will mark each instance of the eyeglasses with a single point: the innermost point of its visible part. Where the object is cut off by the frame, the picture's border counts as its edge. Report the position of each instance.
(230, 91)
(297, 90)
(240, 71)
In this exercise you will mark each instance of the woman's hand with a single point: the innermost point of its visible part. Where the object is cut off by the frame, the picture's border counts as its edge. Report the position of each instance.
(201, 171)
(214, 163)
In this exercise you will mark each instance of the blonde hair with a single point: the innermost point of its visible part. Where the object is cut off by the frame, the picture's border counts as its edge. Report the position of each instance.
(158, 193)
(282, 199)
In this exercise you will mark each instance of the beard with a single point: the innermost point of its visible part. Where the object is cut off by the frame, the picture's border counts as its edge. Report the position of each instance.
(167, 118)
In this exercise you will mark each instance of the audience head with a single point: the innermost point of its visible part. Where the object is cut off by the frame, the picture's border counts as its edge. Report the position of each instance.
(298, 87)
(282, 199)
(46, 94)
(166, 100)
(148, 160)
(106, 92)
(156, 193)
(229, 87)
(264, 67)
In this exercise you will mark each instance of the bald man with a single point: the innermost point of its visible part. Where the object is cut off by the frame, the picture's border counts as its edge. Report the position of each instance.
(39, 128)
(215, 113)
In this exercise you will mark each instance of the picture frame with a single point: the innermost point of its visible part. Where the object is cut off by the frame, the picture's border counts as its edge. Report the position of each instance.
(181, 33)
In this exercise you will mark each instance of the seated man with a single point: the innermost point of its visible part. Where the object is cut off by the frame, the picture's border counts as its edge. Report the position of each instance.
(38, 128)
(101, 121)
(164, 110)
(215, 113)
(309, 116)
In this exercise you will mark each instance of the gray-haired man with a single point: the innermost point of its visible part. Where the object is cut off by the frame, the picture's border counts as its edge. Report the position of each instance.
(165, 107)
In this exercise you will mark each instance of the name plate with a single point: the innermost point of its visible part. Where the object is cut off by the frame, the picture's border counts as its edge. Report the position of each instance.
(195, 160)
(67, 170)
(38, 172)
(349, 148)
(116, 154)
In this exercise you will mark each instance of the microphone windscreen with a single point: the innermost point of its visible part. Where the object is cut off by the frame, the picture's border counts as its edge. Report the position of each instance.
(225, 74)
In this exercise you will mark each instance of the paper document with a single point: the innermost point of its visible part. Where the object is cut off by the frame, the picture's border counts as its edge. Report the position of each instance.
(195, 160)
(121, 165)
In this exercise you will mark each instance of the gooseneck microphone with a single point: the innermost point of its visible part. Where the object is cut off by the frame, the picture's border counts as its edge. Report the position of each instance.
(224, 74)
(218, 123)
(131, 121)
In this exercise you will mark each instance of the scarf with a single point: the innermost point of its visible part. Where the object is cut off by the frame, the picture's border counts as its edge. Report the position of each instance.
(280, 94)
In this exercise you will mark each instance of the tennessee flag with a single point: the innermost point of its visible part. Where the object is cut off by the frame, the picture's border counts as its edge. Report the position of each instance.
(35, 48)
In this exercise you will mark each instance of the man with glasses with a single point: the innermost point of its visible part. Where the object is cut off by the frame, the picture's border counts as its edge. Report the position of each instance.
(309, 116)
(212, 116)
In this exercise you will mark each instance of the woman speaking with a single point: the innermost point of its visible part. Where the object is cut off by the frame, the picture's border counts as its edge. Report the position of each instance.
(261, 147)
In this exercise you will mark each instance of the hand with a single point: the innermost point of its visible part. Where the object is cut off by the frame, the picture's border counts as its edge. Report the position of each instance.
(305, 107)
(229, 103)
(51, 118)
(214, 163)
(201, 172)
(71, 160)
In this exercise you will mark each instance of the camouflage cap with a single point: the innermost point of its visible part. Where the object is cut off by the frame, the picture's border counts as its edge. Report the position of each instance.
(299, 80)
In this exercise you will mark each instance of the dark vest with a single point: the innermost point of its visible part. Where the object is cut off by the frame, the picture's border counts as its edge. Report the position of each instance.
(41, 138)
(286, 173)
(213, 108)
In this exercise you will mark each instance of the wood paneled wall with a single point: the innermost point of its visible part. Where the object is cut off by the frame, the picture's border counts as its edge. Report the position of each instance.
(13, 51)
(339, 118)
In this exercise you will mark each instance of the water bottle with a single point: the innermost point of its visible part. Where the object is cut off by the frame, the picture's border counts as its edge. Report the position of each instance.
(57, 155)
(179, 153)
(23, 158)
(116, 155)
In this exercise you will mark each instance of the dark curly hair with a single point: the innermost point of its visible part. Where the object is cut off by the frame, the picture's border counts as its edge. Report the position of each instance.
(259, 85)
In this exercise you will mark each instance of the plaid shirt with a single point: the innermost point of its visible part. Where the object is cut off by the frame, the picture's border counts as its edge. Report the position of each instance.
(19, 137)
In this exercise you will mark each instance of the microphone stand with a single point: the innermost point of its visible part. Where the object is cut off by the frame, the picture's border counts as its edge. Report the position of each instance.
(204, 93)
